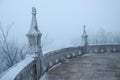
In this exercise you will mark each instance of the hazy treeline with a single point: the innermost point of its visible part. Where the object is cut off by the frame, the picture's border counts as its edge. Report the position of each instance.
(100, 37)
(104, 37)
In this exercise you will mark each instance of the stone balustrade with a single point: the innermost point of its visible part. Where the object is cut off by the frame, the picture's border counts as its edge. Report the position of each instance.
(25, 70)
(102, 48)
(21, 71)
(59, 56)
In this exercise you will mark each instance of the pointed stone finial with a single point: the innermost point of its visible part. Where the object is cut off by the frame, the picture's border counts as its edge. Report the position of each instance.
(34, 26)
(33, 10)
(34, 45)
(84, 26)
(84, 43)
(34, 36)
(84, 32)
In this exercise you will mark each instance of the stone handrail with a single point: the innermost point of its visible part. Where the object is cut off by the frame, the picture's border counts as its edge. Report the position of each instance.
(24, 70)
(21, 71)
(58, 56)
(101, 48)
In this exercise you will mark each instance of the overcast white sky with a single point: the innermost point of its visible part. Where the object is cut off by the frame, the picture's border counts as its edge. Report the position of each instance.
(62, 20)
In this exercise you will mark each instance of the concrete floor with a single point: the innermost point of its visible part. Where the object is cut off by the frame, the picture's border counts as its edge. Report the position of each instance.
(88, 67)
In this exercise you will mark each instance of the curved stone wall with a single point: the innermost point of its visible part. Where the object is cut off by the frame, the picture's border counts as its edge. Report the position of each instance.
(104, 48)
(25, 70)
(58, 56)
(21, 71)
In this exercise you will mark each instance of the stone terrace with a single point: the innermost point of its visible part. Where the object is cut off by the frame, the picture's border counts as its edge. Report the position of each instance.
(103, 66)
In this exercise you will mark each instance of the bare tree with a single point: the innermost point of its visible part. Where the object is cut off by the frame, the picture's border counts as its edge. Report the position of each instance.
(11, 52)
(101, 37)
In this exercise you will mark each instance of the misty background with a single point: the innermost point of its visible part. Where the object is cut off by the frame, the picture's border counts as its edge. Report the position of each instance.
(61, 20)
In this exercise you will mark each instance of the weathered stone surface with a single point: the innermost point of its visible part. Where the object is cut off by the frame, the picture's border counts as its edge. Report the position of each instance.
(90, 67)
(84, 42)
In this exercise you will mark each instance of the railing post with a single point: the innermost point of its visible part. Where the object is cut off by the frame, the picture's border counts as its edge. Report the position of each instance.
(84, 43)
(34, 45)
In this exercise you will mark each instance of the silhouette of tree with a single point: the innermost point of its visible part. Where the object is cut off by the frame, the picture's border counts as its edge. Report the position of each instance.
(11, 52)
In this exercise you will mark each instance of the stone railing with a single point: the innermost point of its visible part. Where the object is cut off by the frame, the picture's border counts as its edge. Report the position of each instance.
(22, 71)
(104, 48)
(59, 56)
(26, 69)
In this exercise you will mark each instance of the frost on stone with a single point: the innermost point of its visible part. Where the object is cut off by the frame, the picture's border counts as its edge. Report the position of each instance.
(65, 60)
(44, 77)
(34, 26)
(15, 70)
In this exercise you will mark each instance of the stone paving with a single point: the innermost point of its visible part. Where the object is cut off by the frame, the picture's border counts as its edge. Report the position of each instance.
(103, 66)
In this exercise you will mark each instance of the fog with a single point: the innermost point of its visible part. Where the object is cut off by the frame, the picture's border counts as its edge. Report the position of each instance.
(61, 20)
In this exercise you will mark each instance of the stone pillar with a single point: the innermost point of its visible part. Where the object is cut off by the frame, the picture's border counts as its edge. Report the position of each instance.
(34, 44)
(84, 42)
